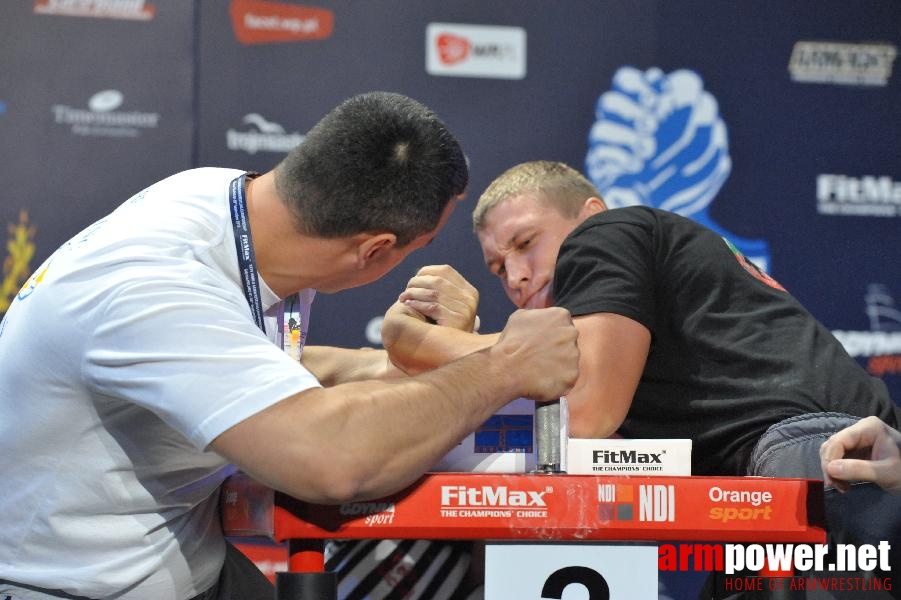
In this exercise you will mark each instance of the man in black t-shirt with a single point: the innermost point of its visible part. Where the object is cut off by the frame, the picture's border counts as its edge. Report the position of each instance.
(680, 335)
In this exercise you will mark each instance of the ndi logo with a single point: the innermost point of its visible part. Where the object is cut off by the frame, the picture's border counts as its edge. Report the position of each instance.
(656, 503)
(658, 140)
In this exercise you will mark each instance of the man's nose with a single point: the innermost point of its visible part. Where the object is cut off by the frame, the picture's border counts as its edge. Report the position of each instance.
(517, 274)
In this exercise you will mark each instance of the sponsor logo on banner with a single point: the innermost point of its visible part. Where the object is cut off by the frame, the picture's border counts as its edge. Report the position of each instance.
(17, 262)
(102, 119)
(263, 22)
(842, 63)
(376, 513)
(659, 140)
(263, 136)
(654, 503)
(607, 461)
(865, 196)
(740, 505)
(131, 10)
(493, 501)
(456, 50)
(879, 348)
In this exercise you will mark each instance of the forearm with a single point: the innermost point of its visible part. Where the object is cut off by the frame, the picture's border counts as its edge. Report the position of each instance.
(614, 350)
(364, 440)
(332, 366)
(416, 346)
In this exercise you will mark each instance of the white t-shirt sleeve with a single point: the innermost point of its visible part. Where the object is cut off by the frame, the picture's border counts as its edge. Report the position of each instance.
(186, 348)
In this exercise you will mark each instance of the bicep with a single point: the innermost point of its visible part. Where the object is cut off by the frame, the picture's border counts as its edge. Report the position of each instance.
(613, 351)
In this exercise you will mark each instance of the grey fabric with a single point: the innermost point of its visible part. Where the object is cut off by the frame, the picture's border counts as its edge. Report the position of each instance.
(865, 514)
(791, 447)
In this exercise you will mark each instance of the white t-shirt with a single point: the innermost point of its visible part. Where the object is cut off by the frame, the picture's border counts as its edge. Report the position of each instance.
(125, 355)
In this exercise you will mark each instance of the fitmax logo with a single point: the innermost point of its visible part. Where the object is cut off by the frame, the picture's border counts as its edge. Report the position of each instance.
(626, 457)
(461, 495)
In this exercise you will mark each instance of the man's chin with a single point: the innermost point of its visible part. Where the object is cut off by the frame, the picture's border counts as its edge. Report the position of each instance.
(539, 300)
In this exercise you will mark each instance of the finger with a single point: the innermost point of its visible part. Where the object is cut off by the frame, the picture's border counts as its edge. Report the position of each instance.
(442, 315)
(850, 470)
(439, 290)
(831, 450)
(447, 284)
(434, 302)
(861, 435)
(443, 272)
(420, 294)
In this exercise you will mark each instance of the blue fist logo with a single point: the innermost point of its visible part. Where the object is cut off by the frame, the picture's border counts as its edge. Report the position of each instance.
(659, 140)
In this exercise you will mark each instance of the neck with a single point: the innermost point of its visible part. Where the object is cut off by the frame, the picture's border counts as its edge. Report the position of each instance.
(289, 261)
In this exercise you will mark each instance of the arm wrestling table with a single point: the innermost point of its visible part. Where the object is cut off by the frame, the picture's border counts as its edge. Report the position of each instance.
(527, 507)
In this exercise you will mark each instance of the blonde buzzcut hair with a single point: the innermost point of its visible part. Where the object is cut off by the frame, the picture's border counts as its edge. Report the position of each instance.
(554, 183)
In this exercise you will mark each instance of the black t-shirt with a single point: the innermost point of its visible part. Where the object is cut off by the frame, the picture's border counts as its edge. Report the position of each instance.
(731, 352)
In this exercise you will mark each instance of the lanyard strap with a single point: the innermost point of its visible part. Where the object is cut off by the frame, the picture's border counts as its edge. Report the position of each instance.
(247, 262)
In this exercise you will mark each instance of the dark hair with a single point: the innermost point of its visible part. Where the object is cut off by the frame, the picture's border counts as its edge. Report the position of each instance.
(378, 162)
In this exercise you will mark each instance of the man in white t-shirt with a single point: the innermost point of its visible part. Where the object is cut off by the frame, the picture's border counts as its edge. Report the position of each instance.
(138, 369)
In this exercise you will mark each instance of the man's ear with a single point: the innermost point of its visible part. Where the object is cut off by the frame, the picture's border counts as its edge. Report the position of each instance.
(592, 206)
(373, 247)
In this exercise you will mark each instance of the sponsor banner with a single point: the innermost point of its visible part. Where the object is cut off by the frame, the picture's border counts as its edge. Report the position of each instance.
(262, 136)
(865, 196)
(131, 10)
(20, 251)
(102, 117)
(842, 63)
(547, 507)
(457, 50)
(263, 22)
(879, 349)
(628, 457)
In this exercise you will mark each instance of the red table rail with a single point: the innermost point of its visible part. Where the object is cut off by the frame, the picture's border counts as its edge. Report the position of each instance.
(541, 507)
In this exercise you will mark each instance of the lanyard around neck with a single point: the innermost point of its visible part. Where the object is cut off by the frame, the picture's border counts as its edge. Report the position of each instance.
(247, 262)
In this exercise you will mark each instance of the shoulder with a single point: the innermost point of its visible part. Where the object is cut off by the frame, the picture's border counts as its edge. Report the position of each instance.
(202, 180)
(645, 217)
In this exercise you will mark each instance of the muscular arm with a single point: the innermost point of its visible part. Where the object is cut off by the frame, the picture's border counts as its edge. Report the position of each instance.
(367, 439)
(332, 366)
(613, 351)
(415, 345)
